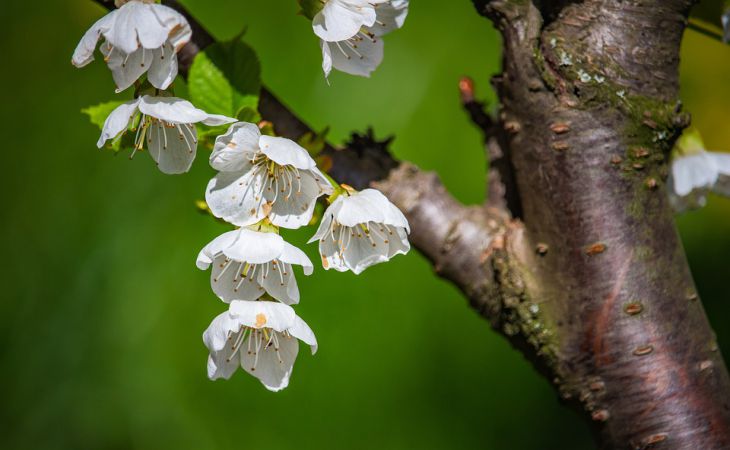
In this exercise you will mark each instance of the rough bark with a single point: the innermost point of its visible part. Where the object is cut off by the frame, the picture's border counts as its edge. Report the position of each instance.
(575, 257)
(590, 94)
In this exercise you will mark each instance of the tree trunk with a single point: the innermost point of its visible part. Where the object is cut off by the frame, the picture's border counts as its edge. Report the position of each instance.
(590, 111)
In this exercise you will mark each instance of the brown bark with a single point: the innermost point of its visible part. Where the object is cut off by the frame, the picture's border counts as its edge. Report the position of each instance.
(590, 92)
(575, 258)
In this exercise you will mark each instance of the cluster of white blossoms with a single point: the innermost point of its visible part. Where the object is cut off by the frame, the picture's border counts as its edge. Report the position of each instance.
(351, 32)
(696, 172)
(142, 38)
(264, 183)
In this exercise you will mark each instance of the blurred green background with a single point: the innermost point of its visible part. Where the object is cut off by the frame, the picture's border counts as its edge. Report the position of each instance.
(103, 308)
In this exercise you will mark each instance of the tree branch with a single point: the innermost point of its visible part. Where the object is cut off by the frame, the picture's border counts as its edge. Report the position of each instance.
(501, 188)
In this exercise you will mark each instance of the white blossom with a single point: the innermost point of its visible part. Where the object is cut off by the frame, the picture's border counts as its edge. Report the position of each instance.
(696, 174)
(165, 124)
(139, 37)
(359, 230)
(263, 176)
(247, 263)
(350, 33)
(261, 337)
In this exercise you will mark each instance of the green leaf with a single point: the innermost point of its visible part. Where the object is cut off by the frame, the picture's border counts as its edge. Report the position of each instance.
(310, 8)
(225, 78)
(314, 143)
(248, 114)
(98, 113)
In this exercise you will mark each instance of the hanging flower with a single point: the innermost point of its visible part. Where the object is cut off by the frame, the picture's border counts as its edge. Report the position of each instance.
(261, 337)
(263, 176)
(140, 37)
(247, 263)
(166, 124)
(361, 229)
(350, 33)
(342, 19)
(695, 172)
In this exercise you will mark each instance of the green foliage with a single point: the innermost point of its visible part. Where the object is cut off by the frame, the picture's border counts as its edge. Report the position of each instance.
(226, 79)
(248, 114)
(310, 8)
(314, 143)
(98, 113)
(97, 116)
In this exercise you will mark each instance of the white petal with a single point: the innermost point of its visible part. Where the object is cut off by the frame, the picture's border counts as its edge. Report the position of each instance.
(360, 209)
(233, 280)
(215, 248)
(220, 365)
(301, 331)
(294, 209)
(325, 223)
(273, 368)
(177, 27)
(171, 109)
(293, 255)
(322, 181)
(722, 162)
(330, 253)
(391, 214)
(118, 121)
(217, 119)
(126, 69)
(180, 35)
(236, 197)
(163, 67)
(326, 57)
(360, 58)
(398, 243)
(216, 335)
(84, 52)
(220, 362)
(274, 315)
(363, 252)
(234, 150)
(389, 16)
(154, 24)
(285, 152)
(342, 19)
(123, 34)
(172, 148)
(281, 287)
(691, 172)
(255, 247)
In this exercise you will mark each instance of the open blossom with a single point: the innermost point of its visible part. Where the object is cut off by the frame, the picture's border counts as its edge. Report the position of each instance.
(166, 125)
(261, 337)
(359, 230)
(263, 176)
(247, 263)
(350, 33)
(139, 37)
(695, 172)
(694, 175)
